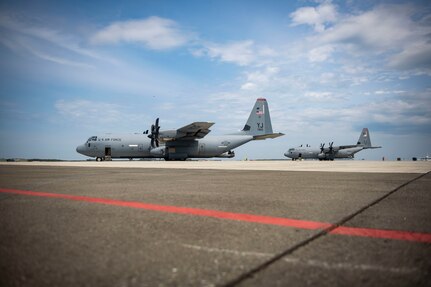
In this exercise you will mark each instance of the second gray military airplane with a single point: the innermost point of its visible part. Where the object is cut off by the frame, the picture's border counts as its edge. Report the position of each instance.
(331, 152)
(190, 141)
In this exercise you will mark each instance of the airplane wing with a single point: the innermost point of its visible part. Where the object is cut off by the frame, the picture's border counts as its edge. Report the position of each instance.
(348, 146)
(357, 145)
(196, 130)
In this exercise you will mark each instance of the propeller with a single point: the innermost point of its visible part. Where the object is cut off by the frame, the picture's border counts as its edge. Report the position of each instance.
(322, 147)
(330, 147)
(154, 136)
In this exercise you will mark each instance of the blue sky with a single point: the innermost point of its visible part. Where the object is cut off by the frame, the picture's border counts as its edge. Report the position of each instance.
(73, 69)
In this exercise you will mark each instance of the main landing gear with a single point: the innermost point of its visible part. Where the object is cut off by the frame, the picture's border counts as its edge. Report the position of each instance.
(107, 158)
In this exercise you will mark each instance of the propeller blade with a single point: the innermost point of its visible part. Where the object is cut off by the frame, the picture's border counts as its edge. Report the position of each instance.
(322, 146)
(154, 136)
(330, 147)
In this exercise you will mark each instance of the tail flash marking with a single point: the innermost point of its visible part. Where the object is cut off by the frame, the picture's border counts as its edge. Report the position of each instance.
(259, 121)
(364, 138)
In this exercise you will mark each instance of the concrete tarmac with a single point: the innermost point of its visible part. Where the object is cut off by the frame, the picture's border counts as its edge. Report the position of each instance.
(280, 165)
(116, 226)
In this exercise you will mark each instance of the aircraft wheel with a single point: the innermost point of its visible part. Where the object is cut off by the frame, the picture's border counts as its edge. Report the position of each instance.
(98, 159)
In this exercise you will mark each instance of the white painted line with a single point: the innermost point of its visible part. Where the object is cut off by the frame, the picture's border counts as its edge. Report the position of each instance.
(308, 262)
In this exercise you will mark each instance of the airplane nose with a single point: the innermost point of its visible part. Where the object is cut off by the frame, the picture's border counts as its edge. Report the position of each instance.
(80, 149)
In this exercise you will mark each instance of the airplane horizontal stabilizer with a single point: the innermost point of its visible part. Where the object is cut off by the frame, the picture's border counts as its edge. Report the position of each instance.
(268, 136)
(372, 147)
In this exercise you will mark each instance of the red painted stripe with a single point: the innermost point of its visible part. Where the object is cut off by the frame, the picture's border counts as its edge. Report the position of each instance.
(380, 233)
(295, 223)
(303, 224)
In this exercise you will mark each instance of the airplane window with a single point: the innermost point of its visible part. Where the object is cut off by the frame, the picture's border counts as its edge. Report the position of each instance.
(93, 138)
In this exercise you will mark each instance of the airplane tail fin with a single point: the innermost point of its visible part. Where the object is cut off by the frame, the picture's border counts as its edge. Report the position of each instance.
(259, 122)
(365, 140)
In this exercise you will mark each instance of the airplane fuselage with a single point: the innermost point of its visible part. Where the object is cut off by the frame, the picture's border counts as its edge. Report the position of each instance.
(332, 152)
(139, 146)
(315, 153)
(189, 141)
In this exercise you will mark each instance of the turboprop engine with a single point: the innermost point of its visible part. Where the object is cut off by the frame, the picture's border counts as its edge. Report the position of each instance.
(321, 156)
(158, 151)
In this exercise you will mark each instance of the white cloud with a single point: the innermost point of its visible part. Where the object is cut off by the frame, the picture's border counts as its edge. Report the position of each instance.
(77, 64)
(327, 78)
(267, 52)
(315, 16)
(154, 32)
(56, 59)
(260, 78)
(322, 97)
(29, 30)
(26, 36)
(400, 113)
(384, 27)
(320, 54)
(387, 92)
(88, 111)
(248, 86)
(240, 53)
(397, 33)
(415, 56)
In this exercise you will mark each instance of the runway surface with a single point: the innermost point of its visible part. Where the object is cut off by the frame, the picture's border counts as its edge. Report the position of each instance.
(107, 225)
(280, 165)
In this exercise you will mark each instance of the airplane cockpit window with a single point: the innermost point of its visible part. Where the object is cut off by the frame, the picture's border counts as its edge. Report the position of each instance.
(291, 149)
(92, 139)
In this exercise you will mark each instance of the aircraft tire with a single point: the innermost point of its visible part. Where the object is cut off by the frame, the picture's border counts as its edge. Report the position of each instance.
(98, 159)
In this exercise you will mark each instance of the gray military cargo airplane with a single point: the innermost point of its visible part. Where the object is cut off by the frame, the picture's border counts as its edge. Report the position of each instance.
(190, 141)
(332, 152)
